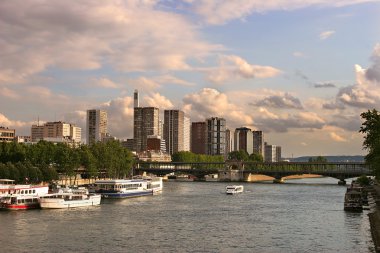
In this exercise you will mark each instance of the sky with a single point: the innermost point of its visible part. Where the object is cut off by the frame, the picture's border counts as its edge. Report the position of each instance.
(300, 71)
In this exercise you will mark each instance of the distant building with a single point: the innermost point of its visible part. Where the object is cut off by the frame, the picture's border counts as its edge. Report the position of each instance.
(258, 142)
(23, 139)
(57, 132)
(243, 139)
(186, 134)
(7, 134)
(154, 156)
(272, 153)
(145, 123)
(174, 121)
(128, 143)
(156, 143)
(229, 142)
(215, 136)
(96, 125)
(108, 137)
(198, 137)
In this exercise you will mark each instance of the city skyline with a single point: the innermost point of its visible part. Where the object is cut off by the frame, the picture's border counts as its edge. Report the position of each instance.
(300, 72)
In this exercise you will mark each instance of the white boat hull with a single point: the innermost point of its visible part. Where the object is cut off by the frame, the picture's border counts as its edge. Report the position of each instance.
(59, 203)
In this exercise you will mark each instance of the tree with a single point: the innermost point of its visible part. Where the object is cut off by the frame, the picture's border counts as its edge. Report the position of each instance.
(371, 129)
(240, 155)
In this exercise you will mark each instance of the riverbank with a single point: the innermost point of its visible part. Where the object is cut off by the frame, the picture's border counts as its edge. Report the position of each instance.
(374, 215)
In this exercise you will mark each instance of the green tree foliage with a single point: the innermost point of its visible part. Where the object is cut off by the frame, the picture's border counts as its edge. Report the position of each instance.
(240, 155)
(371, 129)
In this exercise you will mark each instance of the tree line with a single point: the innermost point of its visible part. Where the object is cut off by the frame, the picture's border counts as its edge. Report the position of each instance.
(44, 161)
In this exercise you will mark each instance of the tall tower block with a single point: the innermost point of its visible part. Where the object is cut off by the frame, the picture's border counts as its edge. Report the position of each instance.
(136, 99)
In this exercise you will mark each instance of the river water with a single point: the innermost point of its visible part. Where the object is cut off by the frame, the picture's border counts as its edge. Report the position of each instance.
(304, 215)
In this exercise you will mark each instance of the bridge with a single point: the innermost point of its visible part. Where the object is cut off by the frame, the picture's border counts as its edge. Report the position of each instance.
(241, 171)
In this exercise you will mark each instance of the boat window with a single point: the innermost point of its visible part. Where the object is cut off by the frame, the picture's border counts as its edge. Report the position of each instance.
(34, 191)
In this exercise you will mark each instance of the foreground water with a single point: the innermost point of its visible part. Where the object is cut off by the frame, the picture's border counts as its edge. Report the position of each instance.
(303, 215)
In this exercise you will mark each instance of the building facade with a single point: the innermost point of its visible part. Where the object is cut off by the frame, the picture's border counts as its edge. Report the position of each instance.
(198, 138)
(272, 153)
(258, 142)
(243, 140)
(57, 131)
(174, 121)
(145, 123)
(216, 136)
(186, 134)
(7, 134)
(96, 125)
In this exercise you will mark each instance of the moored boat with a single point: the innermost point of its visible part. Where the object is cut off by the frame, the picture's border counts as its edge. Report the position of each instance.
(353, 201)
(8, 187)
(233, 189)
(69, 200)
(19, 202)
(123, 188)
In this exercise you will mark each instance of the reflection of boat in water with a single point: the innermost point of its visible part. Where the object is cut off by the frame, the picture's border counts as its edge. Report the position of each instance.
(233, 189)
(353, 201)
(19, 202)
(69, 200)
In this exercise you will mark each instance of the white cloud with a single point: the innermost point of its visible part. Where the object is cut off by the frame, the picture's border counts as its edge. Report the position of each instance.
(373, 73)
(218, 12)
(87, 35)
(286, 100)
(326, 34)
(159, 101)
(104, 83)
(232, 67)
(335, 137)
(22, 128)
(211, 103)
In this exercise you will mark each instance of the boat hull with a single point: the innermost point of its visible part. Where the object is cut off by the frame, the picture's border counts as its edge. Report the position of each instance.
(15, 207)
(122, 195)
(51, 203)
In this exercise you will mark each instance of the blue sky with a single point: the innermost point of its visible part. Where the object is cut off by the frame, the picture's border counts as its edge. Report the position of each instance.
(301, 71)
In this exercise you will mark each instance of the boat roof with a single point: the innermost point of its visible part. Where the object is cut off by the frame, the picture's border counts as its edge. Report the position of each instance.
(6, 180)
(120, 181)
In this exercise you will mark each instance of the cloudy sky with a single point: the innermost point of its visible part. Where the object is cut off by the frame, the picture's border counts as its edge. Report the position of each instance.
(301, 71)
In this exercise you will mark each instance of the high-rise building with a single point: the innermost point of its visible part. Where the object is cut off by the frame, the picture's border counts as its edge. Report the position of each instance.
(96, 125)
(229, 142)
(156, 143)
(145, 123)
(57, 132)
(243, 139)
(198, 138)
(174, 130)
(186, 134)
(258, 142)
(6, 134)
(136, 99)
(272, 153)
(215, 136)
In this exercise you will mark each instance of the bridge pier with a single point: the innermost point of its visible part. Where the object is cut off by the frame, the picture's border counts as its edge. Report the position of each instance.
(278, 180)
(342, 182)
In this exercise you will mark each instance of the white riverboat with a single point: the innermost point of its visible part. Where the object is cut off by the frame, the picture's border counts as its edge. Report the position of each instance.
(8, 187)
(69, 200)
(126, 188)
(233, 189)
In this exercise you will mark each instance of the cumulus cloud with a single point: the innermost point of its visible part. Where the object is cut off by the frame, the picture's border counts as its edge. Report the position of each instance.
(232, 67)
(88, 35)
(211, 103)
(219, 12)
(335, 137)
(280, 101)
(22, 128)
(144, 84)
(159, 101)
(373, 73)
(326, 34)
(104, 83)
(270, 121)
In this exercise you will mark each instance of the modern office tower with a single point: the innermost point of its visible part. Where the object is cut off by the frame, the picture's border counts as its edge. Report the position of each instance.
(57, 132)
(128, 143)
(156, 143)
(258, 142)
(6, 134)
(96, 125)
(146, 122)
(136, 99)
(229, 142)
(215, 136)
(272, 153)
(174, 130)
(278, 154)
(186, 134)
(198, 138)
(243, 139)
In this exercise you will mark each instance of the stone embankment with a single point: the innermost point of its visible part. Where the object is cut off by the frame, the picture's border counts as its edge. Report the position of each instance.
(374, 214)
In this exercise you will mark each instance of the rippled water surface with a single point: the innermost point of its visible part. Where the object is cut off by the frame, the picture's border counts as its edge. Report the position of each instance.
(299, 216)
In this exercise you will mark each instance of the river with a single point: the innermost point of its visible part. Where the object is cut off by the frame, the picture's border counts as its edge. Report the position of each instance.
(304, 215)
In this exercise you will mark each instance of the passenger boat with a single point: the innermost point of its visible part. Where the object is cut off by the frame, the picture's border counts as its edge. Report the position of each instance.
(8, 187)
(69, 200)
(125, 188)
(233, 189)
(353, 201)
(19, 202)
